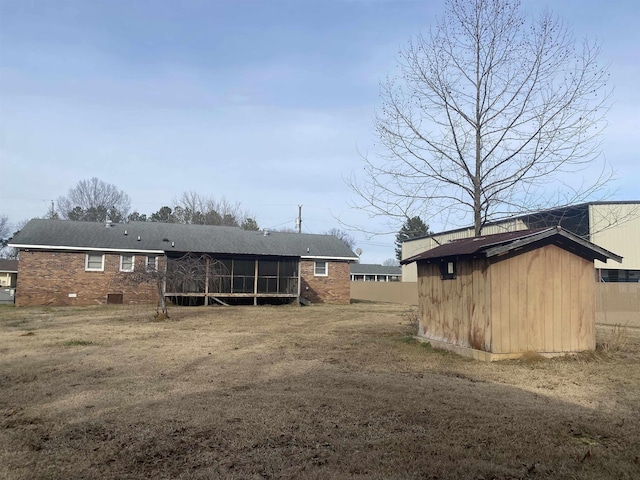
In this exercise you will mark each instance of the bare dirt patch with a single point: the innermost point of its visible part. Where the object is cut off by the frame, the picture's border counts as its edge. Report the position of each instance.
(285, 392)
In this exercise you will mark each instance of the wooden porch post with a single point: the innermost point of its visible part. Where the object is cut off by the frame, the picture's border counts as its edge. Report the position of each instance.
(255, 284)
(207, 262)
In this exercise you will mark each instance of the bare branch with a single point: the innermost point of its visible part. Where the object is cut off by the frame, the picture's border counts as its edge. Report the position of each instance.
(487, 114)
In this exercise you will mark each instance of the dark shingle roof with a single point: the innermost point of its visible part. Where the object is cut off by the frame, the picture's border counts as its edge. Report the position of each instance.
(501, 243)
(160, 237)
(8, 265)
(371, 269)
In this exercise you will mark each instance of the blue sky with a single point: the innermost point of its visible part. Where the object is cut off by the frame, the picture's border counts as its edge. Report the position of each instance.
(266, 103)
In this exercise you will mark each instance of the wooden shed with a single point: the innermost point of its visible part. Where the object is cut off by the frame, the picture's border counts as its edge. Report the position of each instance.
(499, 296)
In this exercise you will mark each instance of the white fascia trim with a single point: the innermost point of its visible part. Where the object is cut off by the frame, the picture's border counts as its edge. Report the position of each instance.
(311, 257)
(83, 249)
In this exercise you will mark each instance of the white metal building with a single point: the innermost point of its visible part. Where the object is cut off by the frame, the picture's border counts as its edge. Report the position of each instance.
(614, 226)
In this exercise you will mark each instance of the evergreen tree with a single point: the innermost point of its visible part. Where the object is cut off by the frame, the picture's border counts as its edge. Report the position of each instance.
(249, 224)
(412, 228)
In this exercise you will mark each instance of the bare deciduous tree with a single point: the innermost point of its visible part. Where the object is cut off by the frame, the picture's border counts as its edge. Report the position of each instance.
(391, 262)
(188, 274)
(94, 200)
(194, 208)
(153, 274)
(201, 209)
(4, 229)
(5, 237)
(487, 114)
(342, 235)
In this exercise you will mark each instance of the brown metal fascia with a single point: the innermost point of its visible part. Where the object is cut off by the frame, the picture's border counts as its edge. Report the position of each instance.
(595, 249)
(521, 242)
(589, 249)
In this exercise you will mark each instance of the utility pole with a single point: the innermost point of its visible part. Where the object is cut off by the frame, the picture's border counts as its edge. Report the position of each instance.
(299, 219)
(51, 214)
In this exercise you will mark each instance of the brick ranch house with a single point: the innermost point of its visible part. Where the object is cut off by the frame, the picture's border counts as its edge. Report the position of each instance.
(86, 263)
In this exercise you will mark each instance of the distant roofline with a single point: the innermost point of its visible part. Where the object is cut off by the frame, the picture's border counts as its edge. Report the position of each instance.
(523, 215)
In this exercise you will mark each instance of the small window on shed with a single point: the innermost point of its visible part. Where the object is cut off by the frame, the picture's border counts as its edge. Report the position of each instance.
(448, 270)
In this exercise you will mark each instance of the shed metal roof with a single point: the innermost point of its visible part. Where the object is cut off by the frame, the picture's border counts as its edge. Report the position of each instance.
(503, 243)
(153, 237)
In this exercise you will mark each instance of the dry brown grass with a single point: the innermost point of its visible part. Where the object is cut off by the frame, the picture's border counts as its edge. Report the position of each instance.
(283, 392)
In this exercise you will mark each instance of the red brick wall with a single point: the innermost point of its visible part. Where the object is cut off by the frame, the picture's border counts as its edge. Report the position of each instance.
(47, 278)
(334, 288)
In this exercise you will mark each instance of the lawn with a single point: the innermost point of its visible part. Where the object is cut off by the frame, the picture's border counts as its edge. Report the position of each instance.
(319, 392)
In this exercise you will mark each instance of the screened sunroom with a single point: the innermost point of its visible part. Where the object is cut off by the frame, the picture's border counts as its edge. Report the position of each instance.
(194, 279)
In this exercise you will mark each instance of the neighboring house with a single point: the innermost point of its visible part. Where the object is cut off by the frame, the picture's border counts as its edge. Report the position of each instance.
(364, 272)
(612, 225)
(8, 273)
(87, 263)
(499, 296)
(8, 279)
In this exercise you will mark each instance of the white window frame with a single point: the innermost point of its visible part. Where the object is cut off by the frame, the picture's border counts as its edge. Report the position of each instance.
(155, 265)
(91, 269)
(133, 263)
(326, 268)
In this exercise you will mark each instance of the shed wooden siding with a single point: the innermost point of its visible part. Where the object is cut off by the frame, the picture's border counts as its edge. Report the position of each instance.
(542, 301)
(456, 311)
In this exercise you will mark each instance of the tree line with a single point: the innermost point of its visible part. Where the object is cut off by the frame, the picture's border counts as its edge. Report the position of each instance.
(93, 200)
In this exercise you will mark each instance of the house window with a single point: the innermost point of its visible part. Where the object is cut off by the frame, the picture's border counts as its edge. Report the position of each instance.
(448, 270)
(152, 263)
(94, 262)
(126, 263)
(321, 269)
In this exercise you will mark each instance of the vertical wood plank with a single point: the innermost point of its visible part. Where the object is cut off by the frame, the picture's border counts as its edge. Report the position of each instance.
(546, 293)
(521, 280)
(435, 302)
(575, 302)
(514, 299)
(456, 306)
(566, 303)
(505, 296)
(487, 306)
(534, 282)
(496, 312)
(470, 287)
(447, 310)
(586, 298)
(554, 312)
